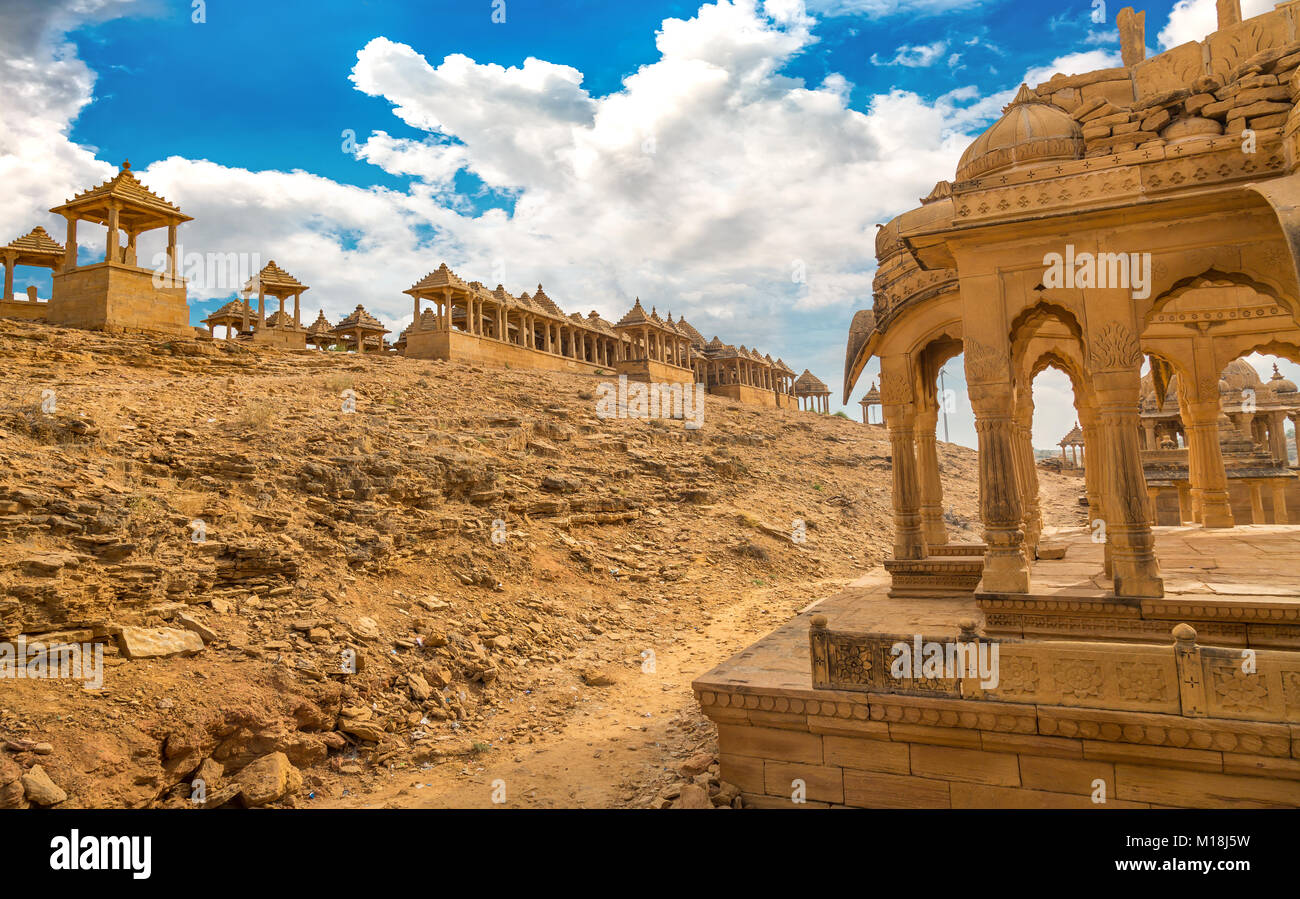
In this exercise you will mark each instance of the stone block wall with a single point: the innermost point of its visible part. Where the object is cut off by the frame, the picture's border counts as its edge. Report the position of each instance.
(25, 311)
(285, 338)
(111, 296)
(460, 346)
(746, 394)
(655, 372)
(912, 752)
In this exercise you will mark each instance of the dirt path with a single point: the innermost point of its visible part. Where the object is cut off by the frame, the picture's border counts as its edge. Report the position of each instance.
(624, 743)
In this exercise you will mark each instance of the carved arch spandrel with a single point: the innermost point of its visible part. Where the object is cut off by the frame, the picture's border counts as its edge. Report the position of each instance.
(1282, 198)
(1233, 348)
(1031, 321)
(907, 335)
(1043, 327)
(1066, 301)
(896, 381)
(1215, 278)
(1172, 270)
(941, 316)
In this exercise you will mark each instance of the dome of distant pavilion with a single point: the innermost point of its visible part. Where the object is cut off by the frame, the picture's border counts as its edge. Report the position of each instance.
(1030, 130)
(1239, 375)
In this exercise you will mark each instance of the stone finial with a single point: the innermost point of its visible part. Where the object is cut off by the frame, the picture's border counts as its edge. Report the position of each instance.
(1023, 96)
(1132, 35)
(1229, 12)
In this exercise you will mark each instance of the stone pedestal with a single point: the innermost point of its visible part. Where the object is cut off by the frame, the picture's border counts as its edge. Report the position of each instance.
(112, 296)
(935, 576)
(285, 338)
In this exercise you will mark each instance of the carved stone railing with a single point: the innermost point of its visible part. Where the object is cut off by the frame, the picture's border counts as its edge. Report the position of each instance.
(1180, 678)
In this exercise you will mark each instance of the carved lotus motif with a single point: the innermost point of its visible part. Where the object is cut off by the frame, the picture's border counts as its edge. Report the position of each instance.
(1143, 683)
(1078, 678)
(1019, 675)
(850, 663)
(1291, 688)
(1238, 690)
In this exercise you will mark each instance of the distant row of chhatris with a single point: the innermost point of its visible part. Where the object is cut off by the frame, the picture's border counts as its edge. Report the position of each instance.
(451, 318)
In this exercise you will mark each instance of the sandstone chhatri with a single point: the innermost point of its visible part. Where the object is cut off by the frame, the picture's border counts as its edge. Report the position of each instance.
(310, 499)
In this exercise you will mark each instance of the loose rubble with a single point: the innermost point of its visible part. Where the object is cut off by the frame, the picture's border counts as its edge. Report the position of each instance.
(293, 602)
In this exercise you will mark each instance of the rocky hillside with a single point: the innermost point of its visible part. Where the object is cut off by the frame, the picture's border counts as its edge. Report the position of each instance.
(312, 573)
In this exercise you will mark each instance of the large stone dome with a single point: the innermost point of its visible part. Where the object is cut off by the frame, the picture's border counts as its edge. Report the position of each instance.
(1030, 130)
(1239, 375)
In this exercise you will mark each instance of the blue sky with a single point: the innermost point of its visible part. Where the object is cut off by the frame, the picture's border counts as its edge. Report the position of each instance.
(264, 86)
(694, 155)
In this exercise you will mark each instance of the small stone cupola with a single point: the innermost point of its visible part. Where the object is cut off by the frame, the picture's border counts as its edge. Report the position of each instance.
(1031, 130)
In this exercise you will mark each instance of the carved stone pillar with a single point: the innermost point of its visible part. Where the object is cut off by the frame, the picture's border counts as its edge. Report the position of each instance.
(933, 529)
(1208, 478)
(1149, 427)
(909, 542)
(171, 254)
(1135, 570)
(1006, 567)
(1295, 437)
(1027, 472)
(70, 247)
(1279, 501)
(111, 252)
(1093, 467)
(1277, 437)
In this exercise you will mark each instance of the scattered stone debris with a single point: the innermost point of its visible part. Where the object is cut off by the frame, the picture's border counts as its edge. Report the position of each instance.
(292, 601)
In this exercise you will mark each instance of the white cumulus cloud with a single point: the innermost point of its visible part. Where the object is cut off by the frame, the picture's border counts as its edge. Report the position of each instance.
(1192, 20)
(913, 55)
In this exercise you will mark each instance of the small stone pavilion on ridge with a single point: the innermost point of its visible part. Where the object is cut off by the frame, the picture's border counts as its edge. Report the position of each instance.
(813, 393)
(452, 318)
(37, 249)
(117, 293)
(456, 319)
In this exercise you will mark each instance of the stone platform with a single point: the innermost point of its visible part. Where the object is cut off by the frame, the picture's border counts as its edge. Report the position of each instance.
(285, 338)
(755, 396)
(949, 571)
(113, 296)
(1155, 723)
(460, 346)
(1237, 587)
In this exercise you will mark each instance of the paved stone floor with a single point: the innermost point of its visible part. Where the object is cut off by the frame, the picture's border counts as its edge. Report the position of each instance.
(1249, 560)
(1255, 565)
